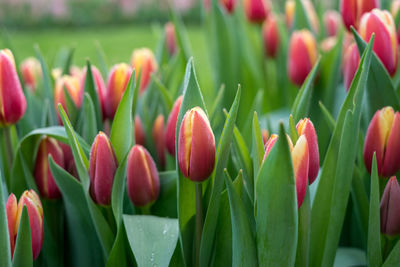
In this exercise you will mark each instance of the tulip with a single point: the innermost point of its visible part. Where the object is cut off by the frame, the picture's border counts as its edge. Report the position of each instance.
(385, 46)
(332, 22)
(140, 136)
(271, 36)
(35, 212)
(170, 132)
(75, 71)
(143, 61)
(196, 146)
(117, 82)
(143, 183)
(390, 208)
(290, 11)
(31, 71)
(98, 84)
(383, 138)
(159, 138)
(256, 10)
(302, 55)
(56, 73)
(394, 10)
(328, 43)
(352, 10)
(229, 5)
(43, 177)
(351, 61)
(12, 98)
(269, 144)
(170, 38)
(265, 136)
(72, 86)
(306, 127)
(102, 167)
(69, 162)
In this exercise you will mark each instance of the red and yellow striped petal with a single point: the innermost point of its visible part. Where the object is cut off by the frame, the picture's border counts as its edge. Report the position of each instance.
(300, 158)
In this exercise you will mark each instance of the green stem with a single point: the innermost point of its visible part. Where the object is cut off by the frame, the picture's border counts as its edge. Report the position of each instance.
(145, 210)
(199, 220)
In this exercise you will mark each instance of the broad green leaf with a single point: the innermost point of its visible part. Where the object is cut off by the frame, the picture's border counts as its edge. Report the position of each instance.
(303, 243)
(90, 88)
(117, 256)
(350, 257)
(374, 225)
(5, 251)
(90, 124)
(152, 239)
(222, 157)
(23, 245)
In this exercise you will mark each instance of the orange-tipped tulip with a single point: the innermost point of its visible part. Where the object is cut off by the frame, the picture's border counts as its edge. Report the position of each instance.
(159, 138)
(143, 183)
(99, 85)
(351, 61)
(306, 127)
(256, 10)
(43, 177)
(290, 11)
(229, 5)
(143, 61)
(117, 82)
(352, 10)
(170, 38)
(71, 85)
(102, 167)
(271, 36)
(35, 212)
(31, 72)
(383, 137)
(385, 46)
(196, 146)
(302, 55)
(332, 22)
(390, 208)
(12, 98)
(170, 131)
(140, 136)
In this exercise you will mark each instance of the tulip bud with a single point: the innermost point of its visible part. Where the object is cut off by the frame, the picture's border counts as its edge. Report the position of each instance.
(140, 136)
(143, 61)
(271, 36)
(43, 177)
(12, 98)
(143, 183)
(352, 10)
(306, 127)
(31, 71)
(332, 22)
(159, 138)
(102, 167)
(117, 82)
(351, 61)
(170, 38)
(170, 132)
(196, 146)
(99, 85)
(390, 208)
(265, 136)
(385, 46)
(71, 84)
(290, 11)
(229, 5)
(302, 55)
(35, 212)
(256, 10)
(383, 137)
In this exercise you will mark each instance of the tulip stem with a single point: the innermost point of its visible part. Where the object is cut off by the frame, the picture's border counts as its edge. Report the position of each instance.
(8, 145)
(199, 220)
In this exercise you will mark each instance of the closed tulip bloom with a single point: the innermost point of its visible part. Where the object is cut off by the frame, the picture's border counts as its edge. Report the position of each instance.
(143, 183)
(383, 138)
(256, 10)
(31, 72)
(306, 127)
(196, 146)
(35, 212)
(159, 138)
(12, 98)
(140, 136)
(143, 61)
(170, 131)
(71, 85)
(271, 36)
(390, 208)
(170, 38)
(102, 167)
(98, 84)
(302, 55)
(385, 46)
(332, 22)
(43, 177)
(290, 10)
(117, 81)
(352, 11)
(351, 61)
(229, 5)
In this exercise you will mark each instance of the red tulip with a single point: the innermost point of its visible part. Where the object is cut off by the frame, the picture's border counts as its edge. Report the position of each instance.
(390, 208)
(265, 136)
(271, 36)
(256, 10)
(352, 10)
(229, 5)
(306, 127)
(143, 61)
(170, 38)
(72, 86)
(270, 144)
(332, 22)
(351, 61)
(159, 138)
(99, 85)
(31, 72)
(170, 131)
(140, 136)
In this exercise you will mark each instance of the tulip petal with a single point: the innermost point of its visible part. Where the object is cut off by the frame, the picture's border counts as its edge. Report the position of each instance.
(391, 162)
(300, 157)
(390, 208)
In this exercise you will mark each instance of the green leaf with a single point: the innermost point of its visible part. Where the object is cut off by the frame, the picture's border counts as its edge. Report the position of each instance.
(5, 252)
(394, 257)
(152, 239)
(222, 156)
(244, 248)
(350, 257)
(301, 19)
(117, 256)
(68, 61)
(163, 91)
(118, 190)
(303, 243)
(23, 247)
(374, 225)
(90, 88)
(165, 206)
(257, 148)
(328, 117)
(90, 124)
(276, 207)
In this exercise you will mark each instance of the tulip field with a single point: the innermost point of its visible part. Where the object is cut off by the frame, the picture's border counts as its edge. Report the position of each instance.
(267, 135)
